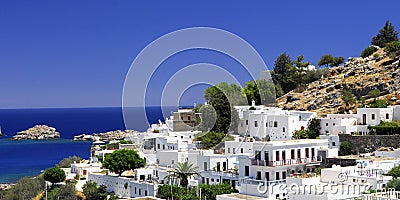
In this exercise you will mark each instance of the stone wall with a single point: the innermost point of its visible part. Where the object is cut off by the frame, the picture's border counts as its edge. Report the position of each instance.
(369, 143)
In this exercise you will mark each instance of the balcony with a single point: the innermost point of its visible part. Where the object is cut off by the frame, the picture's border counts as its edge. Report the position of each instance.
(250, 181)
(286, 162)
(230, 175)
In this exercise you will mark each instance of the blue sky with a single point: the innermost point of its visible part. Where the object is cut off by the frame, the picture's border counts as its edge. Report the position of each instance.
(77, 53)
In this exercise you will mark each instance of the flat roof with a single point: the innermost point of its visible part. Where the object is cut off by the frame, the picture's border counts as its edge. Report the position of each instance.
(241, 196)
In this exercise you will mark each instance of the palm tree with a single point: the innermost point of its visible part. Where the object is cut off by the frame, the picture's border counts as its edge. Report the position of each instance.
(182, 172)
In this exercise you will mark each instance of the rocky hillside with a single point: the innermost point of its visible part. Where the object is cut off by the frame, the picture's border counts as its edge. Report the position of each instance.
(38, 132)
(359, 75)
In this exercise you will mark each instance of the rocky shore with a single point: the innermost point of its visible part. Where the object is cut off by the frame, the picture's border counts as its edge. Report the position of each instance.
(5, 186)
(106, 137)
(38, 132)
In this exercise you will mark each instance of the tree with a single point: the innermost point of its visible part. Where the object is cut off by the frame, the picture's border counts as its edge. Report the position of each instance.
(210, 139)
(54, 175)
(314, 127)
(66, 162)
(348, 97)
(122, 160)
(395, 172)
(94, 192)
(393, 184)
(301, 67)
(182, 172)
(300, 134)
(223, 97)
(207, 119)
(368, 51)
(325, 60)
(385, 35)
(345, 148)
(282, 73)
(263, 92)
(337, 61)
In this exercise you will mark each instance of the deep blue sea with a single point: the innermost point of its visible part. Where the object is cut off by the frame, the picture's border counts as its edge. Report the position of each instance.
(28, 158)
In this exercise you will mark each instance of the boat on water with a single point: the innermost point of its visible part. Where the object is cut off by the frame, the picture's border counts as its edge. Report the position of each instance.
(1, 133)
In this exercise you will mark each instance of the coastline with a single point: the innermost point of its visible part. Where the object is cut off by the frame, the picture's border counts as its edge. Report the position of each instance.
(36, 155)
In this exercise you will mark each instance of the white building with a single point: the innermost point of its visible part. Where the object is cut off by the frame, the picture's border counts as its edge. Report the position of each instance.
(269, 163)
(334, 124)
(271, 123)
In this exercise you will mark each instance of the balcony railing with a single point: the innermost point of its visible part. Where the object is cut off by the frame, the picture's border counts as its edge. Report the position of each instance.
(220, 173)
(258, 182)
(286, 162)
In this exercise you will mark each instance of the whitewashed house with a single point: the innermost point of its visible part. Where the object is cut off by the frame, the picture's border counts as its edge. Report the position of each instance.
(271, 123)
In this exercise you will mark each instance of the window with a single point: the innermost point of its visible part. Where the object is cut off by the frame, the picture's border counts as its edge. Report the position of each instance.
(145, 193)
(188, 118)
(271, 123)
(241, 150)
(333, 143)
(172, 161)
(258, 177)
(333, 124)
(229, 150)
(246, 171)
(326, 124)
(135, 190)
(247, 122)
(233, 150)
(182, 118)
(140, 191)
(387, 115)
(267, 176)
(276, 175)
(373, 116)
(275, 124)
(255, 123)
(158, 146)
(283, 129)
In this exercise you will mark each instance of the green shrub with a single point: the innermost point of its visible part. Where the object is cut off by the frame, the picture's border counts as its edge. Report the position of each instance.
(345, 148)
(368, 51)
(379, 104)
(393, 48)
(376, 55)
(385, 128)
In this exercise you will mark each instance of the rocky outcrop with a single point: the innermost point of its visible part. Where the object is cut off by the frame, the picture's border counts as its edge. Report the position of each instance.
(106, 137)
(359, 75)
(38, 132)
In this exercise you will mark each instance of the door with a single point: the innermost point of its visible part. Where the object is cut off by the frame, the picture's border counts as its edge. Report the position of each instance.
(364, 119)
(266, 157)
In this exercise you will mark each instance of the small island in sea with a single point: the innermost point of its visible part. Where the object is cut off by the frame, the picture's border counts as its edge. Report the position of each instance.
(38, 132)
